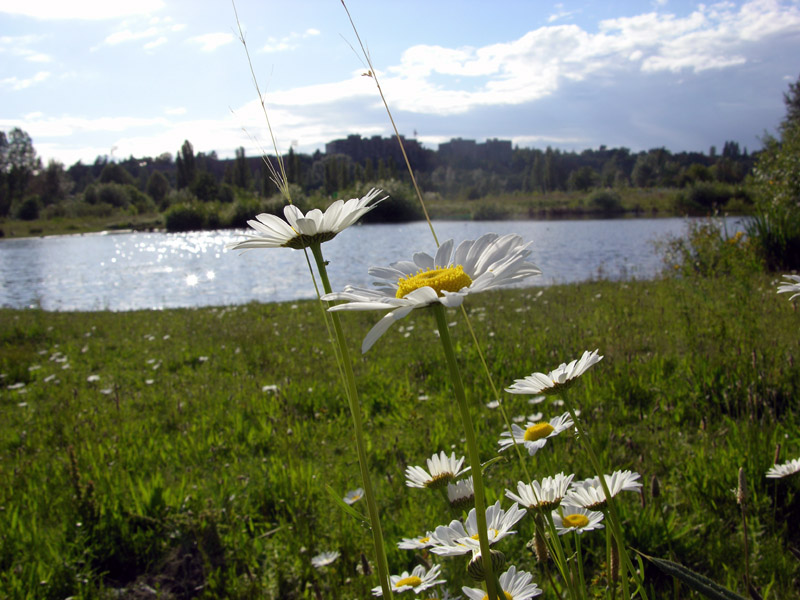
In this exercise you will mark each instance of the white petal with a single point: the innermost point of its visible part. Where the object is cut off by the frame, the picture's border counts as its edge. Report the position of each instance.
(382, 327)
(443, 254)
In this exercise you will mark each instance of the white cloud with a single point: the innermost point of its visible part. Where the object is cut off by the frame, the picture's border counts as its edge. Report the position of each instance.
(177, 110)
(211, 41)
(287, 42)
(17, 84)
(80, 9)
(155, 43)
(126, 35)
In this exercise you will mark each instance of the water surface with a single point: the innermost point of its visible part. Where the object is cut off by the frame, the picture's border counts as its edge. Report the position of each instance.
(129, 271)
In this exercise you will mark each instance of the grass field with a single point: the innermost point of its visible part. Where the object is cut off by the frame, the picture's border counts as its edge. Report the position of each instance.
(186, 453)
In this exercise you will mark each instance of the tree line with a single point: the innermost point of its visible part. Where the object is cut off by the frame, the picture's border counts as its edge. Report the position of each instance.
(153, 184)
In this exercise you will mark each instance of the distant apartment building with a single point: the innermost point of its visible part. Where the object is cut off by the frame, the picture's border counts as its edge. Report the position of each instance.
(377, 148)
(470, 153)
(457, 152)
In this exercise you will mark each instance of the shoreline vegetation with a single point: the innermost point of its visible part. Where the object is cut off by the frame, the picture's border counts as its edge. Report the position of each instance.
(148, 450)
(597, 204)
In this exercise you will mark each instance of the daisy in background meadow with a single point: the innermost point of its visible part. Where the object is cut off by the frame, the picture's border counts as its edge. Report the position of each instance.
(557, 380)
(576, 519)
(442, 469)
(535, 435)
(324, 559)
(515, 585)
(459, 538)
(790, 288)
(353, 496)
(490, 262)
(546, 495)
(788, 468)
(305, 230)
(589, 492)
(418, 580)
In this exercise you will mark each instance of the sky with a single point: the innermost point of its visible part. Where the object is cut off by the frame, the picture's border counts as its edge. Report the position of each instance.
(121, 78)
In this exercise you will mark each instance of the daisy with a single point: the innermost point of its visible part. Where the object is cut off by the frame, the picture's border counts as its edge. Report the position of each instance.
(556, 380)
(535, 435)
(577, 519)
(788, 468)
(474, 266)
(546, 495)
(792, 288)
(324, 559)
(461, 494)
(417, 543)
(353, 496)
(442, 469)
(516, 585)
(589, 492)
(461, 538)
(301, 231)
(418, 580)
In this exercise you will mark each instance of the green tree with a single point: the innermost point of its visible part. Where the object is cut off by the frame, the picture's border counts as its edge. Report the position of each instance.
(185, 165)
(205, 187)
(792, 101)
(775, 181)
(157, 187)
(55, 183)
(116, 173)
(21, 164)
(242, 176)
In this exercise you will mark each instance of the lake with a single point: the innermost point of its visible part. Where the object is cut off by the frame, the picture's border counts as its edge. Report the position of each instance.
(128, 271)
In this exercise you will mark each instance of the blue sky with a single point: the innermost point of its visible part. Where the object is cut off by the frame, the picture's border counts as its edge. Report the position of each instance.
(137, 77)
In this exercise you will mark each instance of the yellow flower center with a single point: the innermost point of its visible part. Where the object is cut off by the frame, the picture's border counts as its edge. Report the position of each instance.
(538, 431)
(488, 531)
(575, 520)
(508, 596)
(413, 581)
(449, 279)
(424, 540)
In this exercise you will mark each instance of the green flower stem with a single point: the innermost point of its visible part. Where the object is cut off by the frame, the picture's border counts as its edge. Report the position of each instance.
(556, 549)
(472, 448)
(613, 517)
(581, 582)
(355, 411)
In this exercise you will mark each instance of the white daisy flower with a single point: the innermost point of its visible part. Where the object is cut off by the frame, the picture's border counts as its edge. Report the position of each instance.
(788, 468)
(461, 494)
(792, 288)
(556, 380)
(324, 559)
(417, 543)
(301, 231)
(577, 519)
(589, 492)
(442, 469)
(546, 495)
(535, 435)
(462, 538)
(516, 585)
(489, 262)
(418, 580)
(353, 496)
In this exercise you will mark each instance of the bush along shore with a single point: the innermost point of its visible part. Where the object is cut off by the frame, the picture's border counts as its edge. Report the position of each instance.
(184, 212)
(193, 453)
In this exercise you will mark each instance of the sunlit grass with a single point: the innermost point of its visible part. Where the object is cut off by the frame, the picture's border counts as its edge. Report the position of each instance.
(204, 446)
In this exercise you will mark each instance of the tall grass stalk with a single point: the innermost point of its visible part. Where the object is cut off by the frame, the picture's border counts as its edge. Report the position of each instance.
(344, 364)
(611, 513)
(472, 448)
(358, 429)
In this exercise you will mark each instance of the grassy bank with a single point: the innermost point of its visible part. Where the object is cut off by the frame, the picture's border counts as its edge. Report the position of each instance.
(626, 202)
(188, 451)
